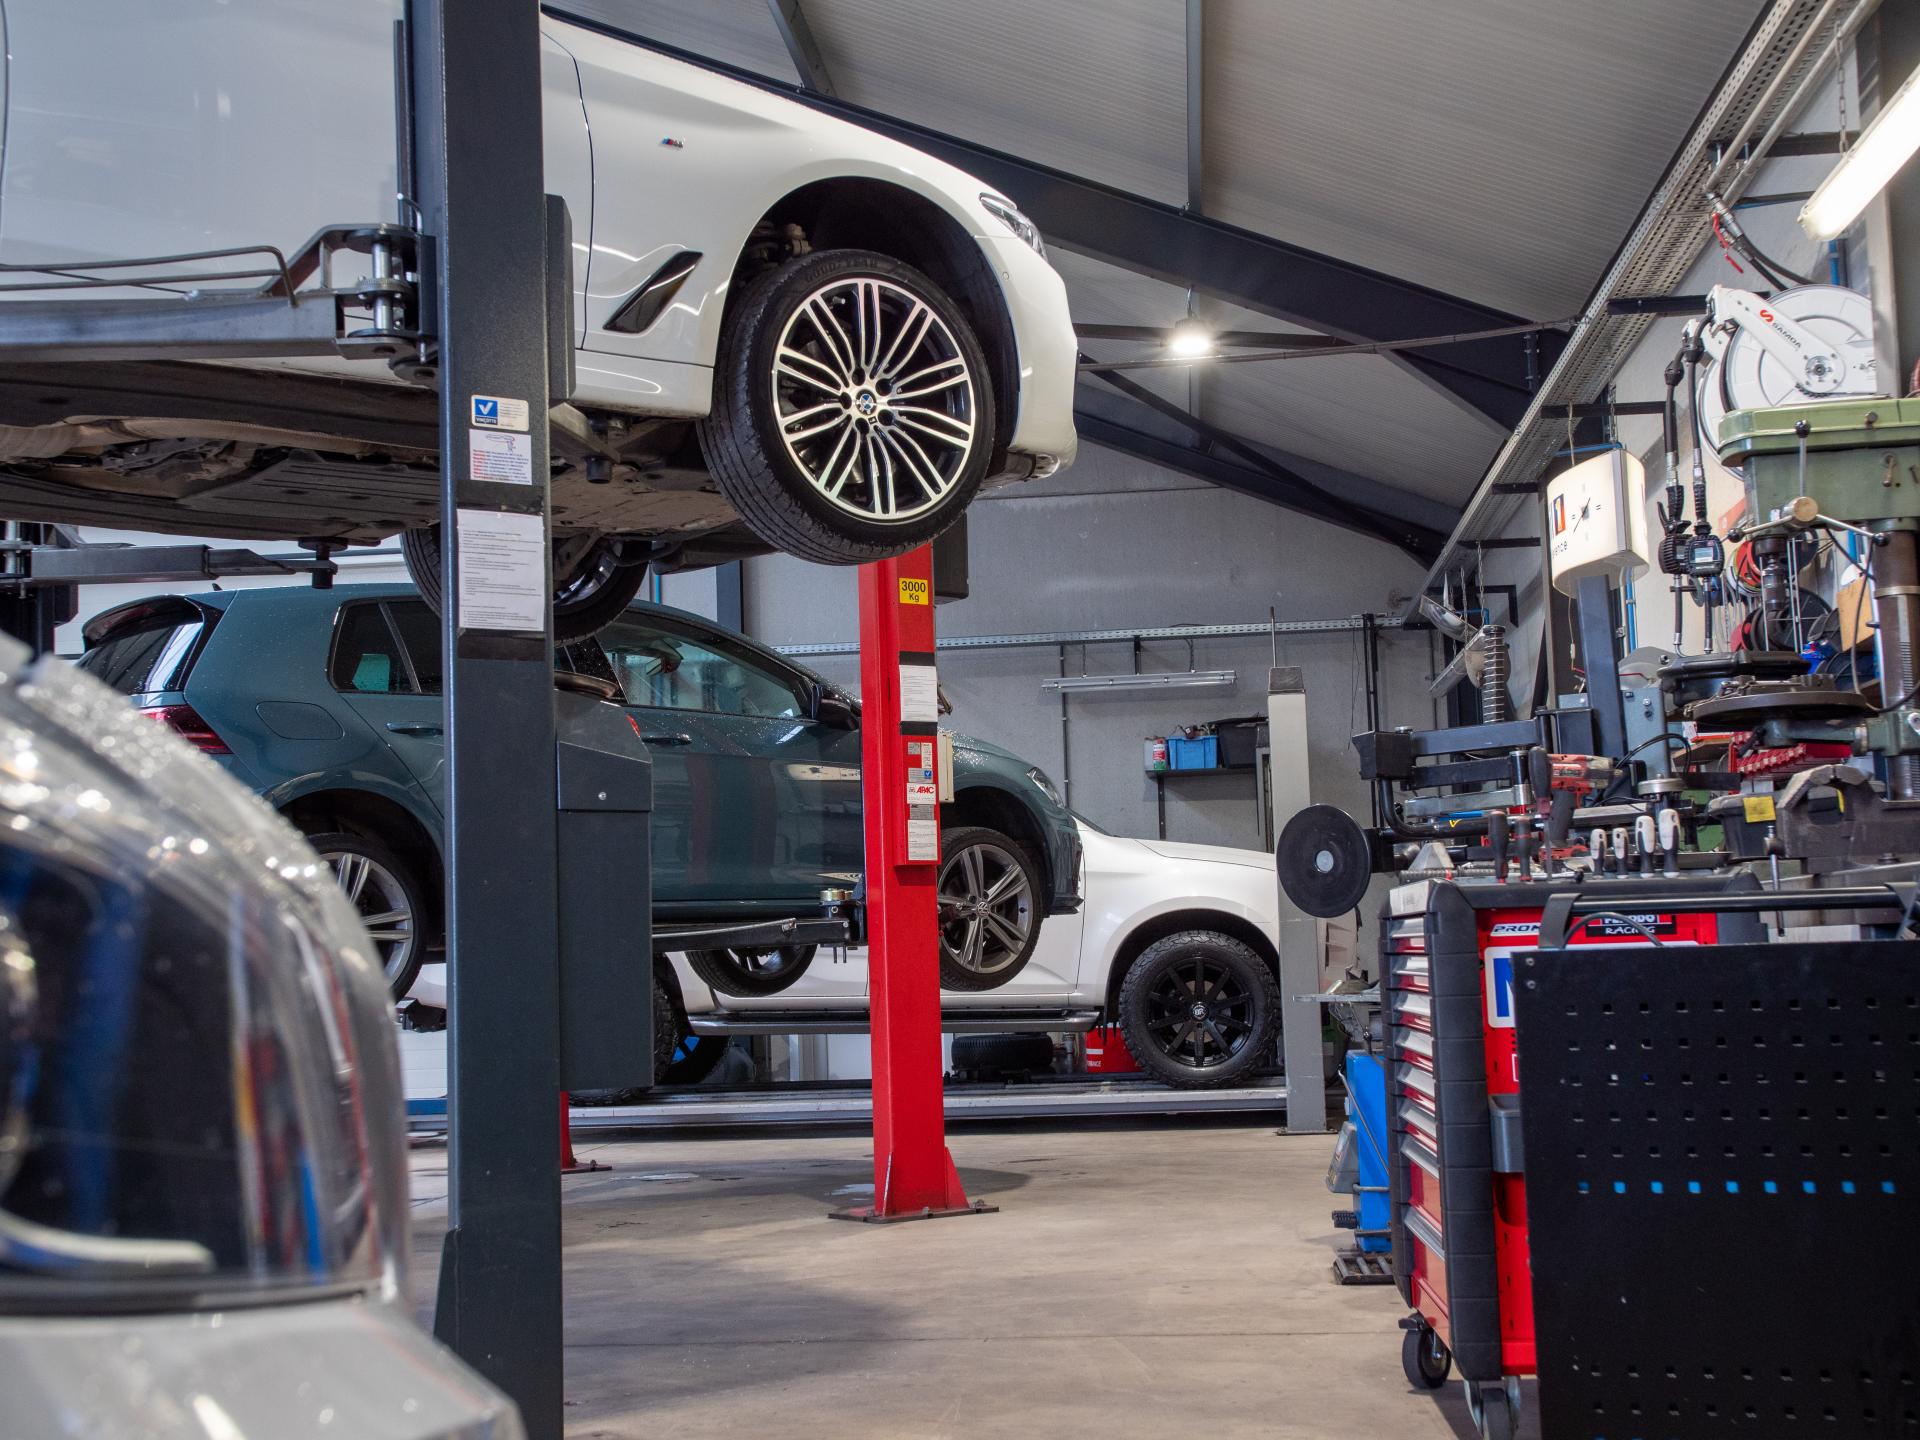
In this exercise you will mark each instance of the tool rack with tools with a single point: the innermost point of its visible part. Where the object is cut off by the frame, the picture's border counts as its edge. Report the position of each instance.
(1648, 977)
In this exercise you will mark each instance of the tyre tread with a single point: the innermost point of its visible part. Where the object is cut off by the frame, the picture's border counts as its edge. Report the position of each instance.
(1149, 1056)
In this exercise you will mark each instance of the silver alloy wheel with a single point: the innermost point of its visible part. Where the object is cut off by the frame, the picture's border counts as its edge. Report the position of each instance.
(874, 399)
(986, 908)
(380, 900)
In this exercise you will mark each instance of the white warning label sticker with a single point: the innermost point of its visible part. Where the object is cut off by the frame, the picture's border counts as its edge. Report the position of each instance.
(500, 456)
(503, 571)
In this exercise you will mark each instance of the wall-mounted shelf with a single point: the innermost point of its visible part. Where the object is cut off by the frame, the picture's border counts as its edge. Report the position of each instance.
(1260, 788)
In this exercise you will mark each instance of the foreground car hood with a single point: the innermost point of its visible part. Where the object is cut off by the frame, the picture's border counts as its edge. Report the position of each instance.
(1209, 854)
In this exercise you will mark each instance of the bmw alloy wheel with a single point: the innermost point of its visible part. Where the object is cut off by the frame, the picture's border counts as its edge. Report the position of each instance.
(874, 399)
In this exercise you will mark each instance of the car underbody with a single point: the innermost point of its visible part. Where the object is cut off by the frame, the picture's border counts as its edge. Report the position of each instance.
(240, 453)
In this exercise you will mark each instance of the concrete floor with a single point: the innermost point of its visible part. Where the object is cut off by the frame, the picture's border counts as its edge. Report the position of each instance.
(1137, 1282)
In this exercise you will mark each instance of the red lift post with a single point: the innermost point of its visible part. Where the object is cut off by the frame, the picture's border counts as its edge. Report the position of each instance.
(913, 1174)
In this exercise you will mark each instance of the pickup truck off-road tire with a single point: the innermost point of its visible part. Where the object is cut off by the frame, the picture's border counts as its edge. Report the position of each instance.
(1200, 1008)
(852, 413)
(991, 903)
(680, 1056)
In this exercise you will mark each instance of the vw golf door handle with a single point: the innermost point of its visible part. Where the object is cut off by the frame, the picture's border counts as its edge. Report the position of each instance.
(412, 727)
(667, 739)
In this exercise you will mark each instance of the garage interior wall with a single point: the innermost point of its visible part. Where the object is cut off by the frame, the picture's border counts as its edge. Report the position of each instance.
(1116, 543)
(1774, 229)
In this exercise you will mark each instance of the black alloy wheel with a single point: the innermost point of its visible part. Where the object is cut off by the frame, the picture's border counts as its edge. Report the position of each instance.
(1200, 1008)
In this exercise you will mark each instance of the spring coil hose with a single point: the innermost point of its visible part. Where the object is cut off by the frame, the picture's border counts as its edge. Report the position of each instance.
(1493, 679)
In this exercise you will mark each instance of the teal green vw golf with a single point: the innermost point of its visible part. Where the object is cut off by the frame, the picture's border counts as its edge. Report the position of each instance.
(327, 703)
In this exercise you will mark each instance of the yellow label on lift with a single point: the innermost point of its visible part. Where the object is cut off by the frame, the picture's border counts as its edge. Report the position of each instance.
(915, 592)
(1757, 808)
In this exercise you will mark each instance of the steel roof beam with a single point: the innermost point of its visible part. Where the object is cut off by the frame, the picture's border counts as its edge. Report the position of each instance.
(797, 35)
(1213, 455)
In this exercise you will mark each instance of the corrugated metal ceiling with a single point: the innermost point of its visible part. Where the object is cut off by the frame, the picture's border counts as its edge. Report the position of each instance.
(1494, 149)
(736, 32)
(1498, 150)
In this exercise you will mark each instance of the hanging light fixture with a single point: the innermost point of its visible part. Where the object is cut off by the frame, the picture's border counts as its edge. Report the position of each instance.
(1190, 339)
(1863, 172)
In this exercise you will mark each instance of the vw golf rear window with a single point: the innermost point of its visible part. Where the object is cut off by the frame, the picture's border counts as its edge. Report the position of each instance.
(147, 648)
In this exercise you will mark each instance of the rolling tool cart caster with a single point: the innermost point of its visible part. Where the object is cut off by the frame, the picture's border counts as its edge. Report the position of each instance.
(1495, 1407)
(1424, 1356)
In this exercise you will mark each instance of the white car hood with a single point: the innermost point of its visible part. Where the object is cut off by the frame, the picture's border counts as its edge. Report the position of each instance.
(1209, 854)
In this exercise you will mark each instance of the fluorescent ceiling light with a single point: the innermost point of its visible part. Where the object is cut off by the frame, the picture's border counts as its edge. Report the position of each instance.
(1190, 338)
(1164, 680)
(1863, 172)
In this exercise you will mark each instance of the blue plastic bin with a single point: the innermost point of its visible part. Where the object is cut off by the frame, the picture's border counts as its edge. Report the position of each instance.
(1367, 1109)
(1201, 754)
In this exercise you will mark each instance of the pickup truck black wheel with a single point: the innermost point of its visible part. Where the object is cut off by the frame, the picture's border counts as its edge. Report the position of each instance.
(752, 972)
(680, 1057)
(594, 579)
(387, 896)
(852, 410)
(694, 1059)
(1200, 1008)
(990, 908)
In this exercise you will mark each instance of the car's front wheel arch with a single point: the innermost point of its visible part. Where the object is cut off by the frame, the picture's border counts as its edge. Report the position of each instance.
(360, 812)
(992, 808)
(852, 212)
(1158, 927)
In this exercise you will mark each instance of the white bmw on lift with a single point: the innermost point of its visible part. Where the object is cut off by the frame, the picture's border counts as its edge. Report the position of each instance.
(788, 332)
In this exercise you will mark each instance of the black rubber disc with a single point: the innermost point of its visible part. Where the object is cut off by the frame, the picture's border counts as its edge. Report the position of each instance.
(1324, 861)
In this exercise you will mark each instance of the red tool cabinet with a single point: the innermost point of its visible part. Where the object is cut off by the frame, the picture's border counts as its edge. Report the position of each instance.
(1459, 1214)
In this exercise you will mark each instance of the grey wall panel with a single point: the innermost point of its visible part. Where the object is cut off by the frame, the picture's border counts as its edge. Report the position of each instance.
(1093, 87)
(1145, 556)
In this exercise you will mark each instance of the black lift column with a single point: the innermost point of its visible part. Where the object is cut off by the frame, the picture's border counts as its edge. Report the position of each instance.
(476, 72)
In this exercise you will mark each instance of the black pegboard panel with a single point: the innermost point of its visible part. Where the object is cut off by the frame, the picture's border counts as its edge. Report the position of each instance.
(1723, 1189)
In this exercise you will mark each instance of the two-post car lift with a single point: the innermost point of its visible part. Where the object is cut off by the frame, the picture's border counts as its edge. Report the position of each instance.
(543, 994)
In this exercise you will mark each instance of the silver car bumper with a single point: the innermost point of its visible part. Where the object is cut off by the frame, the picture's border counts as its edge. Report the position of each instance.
(328, 1370)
